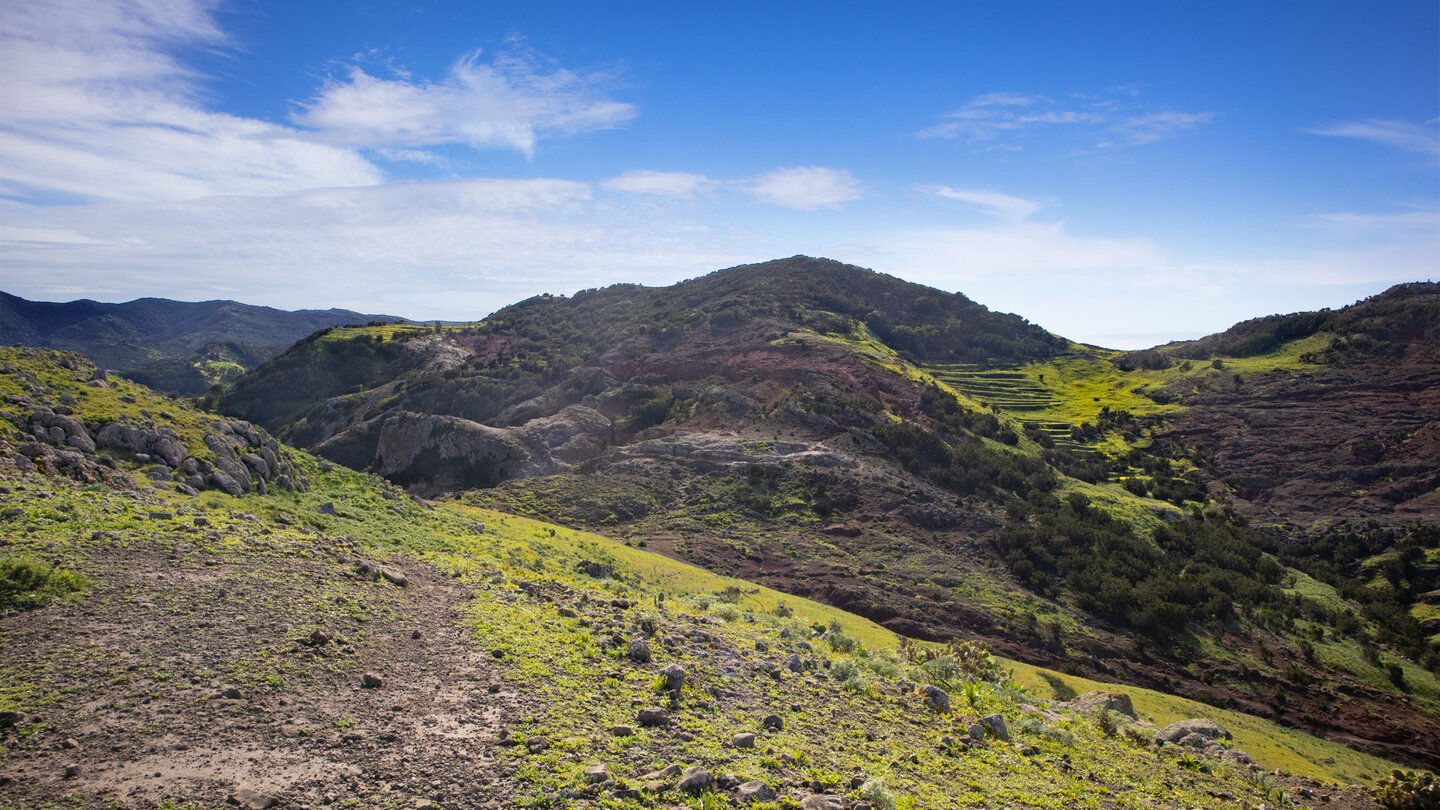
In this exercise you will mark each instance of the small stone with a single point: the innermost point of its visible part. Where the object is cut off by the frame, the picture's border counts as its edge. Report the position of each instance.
(493, 689)
(695, 780)
(743, 740)
(595, 774)
(822, 802)
(639, 651)
(371, 681)
(622, 731)
(415, 634)
(755, 791)
(773, 721)
(996, 724)
(230, 693)
(674, 676)
(318, 638)
(652, 716)
(71, 771)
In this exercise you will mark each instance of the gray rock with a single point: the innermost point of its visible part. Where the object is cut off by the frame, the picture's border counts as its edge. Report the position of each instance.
(170, 450)
(755, 791)
(1193, 740)
(695, 780)
(822, 802)
(371, 681)
(222, 481)
(936, 699)
(977, 732)
(622, 731)
(794, 664)
(674, 676)
(773, 721)
(1209, 729)
(652, 717)
(639, 651)
(996, 724)
(745, 740)
(1110, 701)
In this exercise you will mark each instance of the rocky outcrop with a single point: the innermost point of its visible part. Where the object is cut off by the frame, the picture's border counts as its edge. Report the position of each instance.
(434, 453)
(232, 456)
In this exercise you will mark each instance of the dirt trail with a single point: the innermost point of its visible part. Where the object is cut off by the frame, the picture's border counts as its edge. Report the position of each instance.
(136, 676)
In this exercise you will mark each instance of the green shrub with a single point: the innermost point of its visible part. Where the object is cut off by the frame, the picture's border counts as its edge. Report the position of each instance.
(878, 794)
(726, 611)
(842, 642)
(1408, 790)
(27, 583)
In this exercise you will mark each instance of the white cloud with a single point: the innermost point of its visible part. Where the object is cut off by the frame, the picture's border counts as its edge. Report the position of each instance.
(806, 187)
(511, 102)
(679, 185)
(1399, 134)
(993, 116)
(450, 249)
(995, 203)
(96, 108)
(1157, 126)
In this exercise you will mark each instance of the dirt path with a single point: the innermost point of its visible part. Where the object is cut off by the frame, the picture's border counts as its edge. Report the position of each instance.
(131, 705)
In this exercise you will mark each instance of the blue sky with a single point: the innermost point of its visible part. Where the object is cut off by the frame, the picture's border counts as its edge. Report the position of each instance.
(1120, 173)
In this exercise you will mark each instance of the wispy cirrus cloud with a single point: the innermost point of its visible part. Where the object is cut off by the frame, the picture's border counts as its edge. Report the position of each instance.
(1112, 118)
(1004, 206)
(805, 187)
(97, 108)
(1424, 139)
(509, 102)
(679, 185)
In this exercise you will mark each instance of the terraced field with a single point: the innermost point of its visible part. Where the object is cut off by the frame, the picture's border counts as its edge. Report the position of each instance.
(1011, 389)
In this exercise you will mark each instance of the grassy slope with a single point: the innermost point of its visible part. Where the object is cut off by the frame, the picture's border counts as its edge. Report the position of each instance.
(562, 658)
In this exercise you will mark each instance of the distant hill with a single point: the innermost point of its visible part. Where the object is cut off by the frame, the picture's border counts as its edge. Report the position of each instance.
(174, 346)
(947, 471)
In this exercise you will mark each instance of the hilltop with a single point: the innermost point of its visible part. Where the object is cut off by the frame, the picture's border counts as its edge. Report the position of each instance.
(946, 471)
(320, 638)
(176, 346)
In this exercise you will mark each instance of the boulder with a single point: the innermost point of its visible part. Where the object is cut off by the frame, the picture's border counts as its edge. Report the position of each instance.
(822, 802)
(1090, 702)
(1205, 728)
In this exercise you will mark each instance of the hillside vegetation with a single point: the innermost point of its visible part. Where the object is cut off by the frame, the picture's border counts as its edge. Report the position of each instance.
(176, 346)
(343, 644)
(1132, 517)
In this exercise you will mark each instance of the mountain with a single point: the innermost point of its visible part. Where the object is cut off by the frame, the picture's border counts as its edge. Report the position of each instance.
(176, 346)
(946, 471)
(365, 648)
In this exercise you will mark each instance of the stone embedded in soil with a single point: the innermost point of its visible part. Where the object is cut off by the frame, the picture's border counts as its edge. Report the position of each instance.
(822, 802)
(595, 774)
(674, 676)
(622, 731)
(652, 716)
(773, 721)
(231, 693)
(695, 780)
(743, 740)
(755, 791)
(639, 651)
(996, 724)
(371, 681)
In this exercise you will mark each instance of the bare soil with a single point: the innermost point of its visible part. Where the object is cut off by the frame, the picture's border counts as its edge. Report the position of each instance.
(139, 671)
